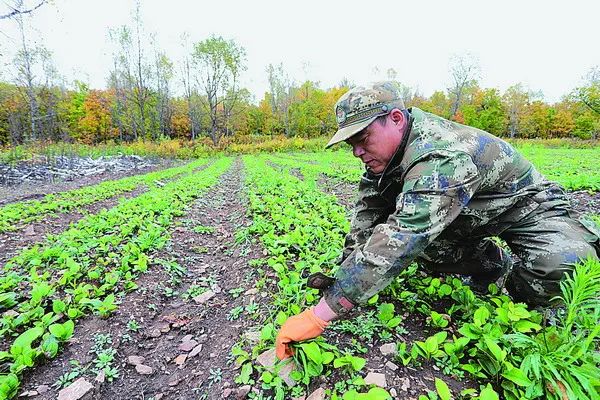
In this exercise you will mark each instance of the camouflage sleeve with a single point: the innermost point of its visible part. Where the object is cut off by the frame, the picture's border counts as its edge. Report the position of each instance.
(436, 188)
(370, 209)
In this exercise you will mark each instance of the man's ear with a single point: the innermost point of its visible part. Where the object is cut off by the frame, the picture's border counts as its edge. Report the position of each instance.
(397, 116)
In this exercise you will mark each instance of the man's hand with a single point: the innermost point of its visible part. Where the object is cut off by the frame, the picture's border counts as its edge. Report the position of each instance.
(303, 326)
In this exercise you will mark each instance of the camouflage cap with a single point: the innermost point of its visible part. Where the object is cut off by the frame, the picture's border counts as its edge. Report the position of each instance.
(358, 107)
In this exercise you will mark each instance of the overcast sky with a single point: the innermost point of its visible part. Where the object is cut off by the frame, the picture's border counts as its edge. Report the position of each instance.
(546, 45)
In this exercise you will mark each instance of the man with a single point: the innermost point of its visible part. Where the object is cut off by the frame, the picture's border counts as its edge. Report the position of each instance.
(435, 191)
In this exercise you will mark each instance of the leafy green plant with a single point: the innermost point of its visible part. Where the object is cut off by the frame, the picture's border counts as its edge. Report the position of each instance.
(204, 229)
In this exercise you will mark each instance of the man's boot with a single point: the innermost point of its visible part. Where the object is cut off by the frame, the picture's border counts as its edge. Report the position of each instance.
(493, 267)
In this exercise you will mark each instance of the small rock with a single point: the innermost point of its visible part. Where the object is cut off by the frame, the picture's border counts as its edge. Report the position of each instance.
(10, 313)
(187, 346)
(227, 393)
(144, 369)
(212, 355)
(204, 297)
(75, 390)
(242, 392)
(170, 337)
(252, 337)
(187, 338)
(374, 378)
(29, 231)
(388, 349)
(251, 292)
(101, 377)
(405, 385)
(159, 396)
(165, 328)
(268, 359)
(135, 360)
(391, 365)
(202, 338)
(180, 359)
(42, 389)
(393, 392)
(195, 351)
(29, 393)
(174, 381)
(154, 333)
(318, 394)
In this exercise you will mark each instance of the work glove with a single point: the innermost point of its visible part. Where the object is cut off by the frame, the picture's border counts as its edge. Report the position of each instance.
(303, 326)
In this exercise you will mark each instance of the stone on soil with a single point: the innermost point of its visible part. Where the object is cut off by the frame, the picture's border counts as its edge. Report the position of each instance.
(143, 369)
(180, 359)
(75, 390)
(135, 360)
(204, 297)
(268, 359)
(388, 349)
(375, 378)
(187, 346)
(242, 392)
(391, 365)
(42, 389)
(318, 394)
(195, 351)
(252, 336)
(154, 333)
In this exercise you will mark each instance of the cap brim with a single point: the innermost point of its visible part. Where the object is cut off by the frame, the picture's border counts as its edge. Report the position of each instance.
(349, 131)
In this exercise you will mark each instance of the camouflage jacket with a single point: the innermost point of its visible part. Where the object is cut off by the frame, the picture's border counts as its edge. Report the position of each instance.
(444, 176)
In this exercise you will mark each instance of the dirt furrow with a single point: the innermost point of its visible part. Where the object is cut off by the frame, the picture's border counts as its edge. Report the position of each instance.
(184, 342)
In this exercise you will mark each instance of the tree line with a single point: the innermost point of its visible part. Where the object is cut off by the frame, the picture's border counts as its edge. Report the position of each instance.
(140, 102)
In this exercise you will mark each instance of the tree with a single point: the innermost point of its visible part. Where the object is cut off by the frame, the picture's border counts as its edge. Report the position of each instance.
(464, 70)
(218, 64)
(589, 94)
(281, 95)
(486, 111)
(131, 76)
(163, 75)
(190, 90)
(24, 63)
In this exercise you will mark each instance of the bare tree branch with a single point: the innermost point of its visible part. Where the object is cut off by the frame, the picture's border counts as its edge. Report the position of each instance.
(16, 11)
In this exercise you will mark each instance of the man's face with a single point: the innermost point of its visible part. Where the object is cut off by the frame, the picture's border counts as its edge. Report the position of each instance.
(376, 144)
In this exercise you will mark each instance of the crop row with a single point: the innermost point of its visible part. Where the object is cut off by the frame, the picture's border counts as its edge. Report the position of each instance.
(339, 165)
(46, 288)
(302, 230)
(34, 210)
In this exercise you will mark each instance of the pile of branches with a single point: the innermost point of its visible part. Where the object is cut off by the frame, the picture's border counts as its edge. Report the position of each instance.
(68, 168)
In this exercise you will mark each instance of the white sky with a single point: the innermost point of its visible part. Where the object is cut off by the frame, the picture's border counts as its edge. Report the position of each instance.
(547, 45)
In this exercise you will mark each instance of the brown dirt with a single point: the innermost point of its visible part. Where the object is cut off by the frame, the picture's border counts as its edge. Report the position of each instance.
(31, 191)
(214, 255)
(585, 202)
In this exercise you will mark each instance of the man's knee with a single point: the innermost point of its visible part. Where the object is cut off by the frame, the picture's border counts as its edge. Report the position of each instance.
(536, 280)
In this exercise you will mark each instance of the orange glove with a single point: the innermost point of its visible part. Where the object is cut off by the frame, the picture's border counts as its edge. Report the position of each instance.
(303, 326)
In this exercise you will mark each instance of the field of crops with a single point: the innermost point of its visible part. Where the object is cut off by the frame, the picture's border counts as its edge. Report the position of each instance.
(173, 285)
